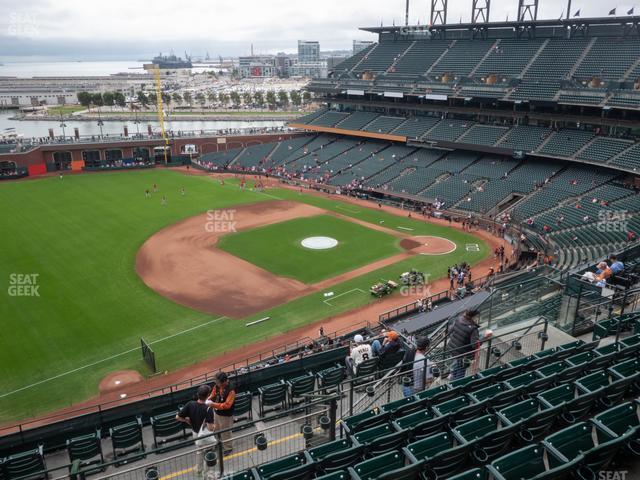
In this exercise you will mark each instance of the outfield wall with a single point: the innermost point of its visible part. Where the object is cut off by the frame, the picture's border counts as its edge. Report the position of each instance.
(40, 160)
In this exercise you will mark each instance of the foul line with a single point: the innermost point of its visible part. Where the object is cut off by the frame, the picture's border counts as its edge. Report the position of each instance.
(60, 375)
(344, 293)
(405, 228)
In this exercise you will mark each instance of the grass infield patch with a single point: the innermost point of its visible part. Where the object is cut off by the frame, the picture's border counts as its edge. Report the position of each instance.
(277, 247)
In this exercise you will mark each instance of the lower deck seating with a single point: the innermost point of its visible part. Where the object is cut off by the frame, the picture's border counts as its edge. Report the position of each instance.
(564, 410)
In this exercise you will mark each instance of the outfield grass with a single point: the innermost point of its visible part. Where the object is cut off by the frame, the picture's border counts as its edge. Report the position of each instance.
(80, 236)
(65, 109)
(277, 247)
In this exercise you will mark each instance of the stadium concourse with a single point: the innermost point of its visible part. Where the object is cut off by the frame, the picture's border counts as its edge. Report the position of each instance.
(524, 130)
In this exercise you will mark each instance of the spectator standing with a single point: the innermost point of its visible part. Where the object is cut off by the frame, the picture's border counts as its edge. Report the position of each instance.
(222, 400)
(463, 343)
(195, 413)
(421, 366)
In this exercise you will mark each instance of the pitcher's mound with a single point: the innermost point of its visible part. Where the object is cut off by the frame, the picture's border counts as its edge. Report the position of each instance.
(428, 245)
(117, 380)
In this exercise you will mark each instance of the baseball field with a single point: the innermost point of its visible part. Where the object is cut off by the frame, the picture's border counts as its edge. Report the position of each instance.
(89, 266)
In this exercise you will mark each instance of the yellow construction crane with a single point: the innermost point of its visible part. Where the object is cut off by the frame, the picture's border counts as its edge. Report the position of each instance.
(159, 106)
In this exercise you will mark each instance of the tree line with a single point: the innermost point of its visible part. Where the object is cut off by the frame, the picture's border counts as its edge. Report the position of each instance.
(258, 98)
(109, 99)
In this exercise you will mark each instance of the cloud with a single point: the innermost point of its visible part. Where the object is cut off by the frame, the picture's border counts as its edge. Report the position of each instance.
(130, 28)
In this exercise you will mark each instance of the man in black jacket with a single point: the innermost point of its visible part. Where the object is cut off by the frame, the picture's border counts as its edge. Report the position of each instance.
(463, 343)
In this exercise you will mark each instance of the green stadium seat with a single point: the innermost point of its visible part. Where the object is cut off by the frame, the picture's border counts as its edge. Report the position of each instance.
(501, 372)
(583, 358)
(531, 383)
(441, 454)
(25, 465)
(316, 454)
(300, 386)
(404, 406)
(628, 368)
(552, 369)
(285, 465)
(459, 410)
(497, 396)
(87, 449)
(489, 436)
(471, 382)
(530, 363)
(367, 419)
(533, 419)
(392, 465)
(569, 374)
(341, 475)
(619, 420)
(596, 445)
(421, 424)
(533, 462)
(632, 340)
(334, 476)
(576, 405)
(365, 372)
(341, 459)
(474, 474)
(381, 439)
(611, 389)
(438, 394)
(273, 395)
(167, 429)
(243, 405)
(127, 442)
(243, 475)
(329, 380)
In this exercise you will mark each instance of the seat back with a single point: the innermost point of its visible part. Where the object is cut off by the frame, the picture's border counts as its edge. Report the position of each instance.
(301, 385)
(85, 447)
(266, 470)
(166, 425)
(318, 453)
(376, 466)
(557, 396)
(439, 394)
(273, 394)
(367, 368)
(126, 435)
(29, 464)
(342, 459)
(242, 404)
(303, 472)
(331, 378)
(620, 418)
(529, 462)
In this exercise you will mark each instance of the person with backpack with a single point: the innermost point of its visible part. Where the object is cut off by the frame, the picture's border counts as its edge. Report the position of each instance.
(199, 417)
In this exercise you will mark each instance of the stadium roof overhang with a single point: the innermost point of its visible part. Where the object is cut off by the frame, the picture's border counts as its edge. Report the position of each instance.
(566, 23)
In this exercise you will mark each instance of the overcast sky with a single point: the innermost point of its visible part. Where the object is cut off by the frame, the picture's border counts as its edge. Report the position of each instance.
(131, 29)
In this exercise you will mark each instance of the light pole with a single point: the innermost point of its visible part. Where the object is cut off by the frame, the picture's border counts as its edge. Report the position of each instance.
(100, 123)
(63, 125)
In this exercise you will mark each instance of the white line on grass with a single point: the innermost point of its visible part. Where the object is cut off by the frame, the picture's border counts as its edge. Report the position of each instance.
(344, 293)
(55, 377)
(405, 228)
